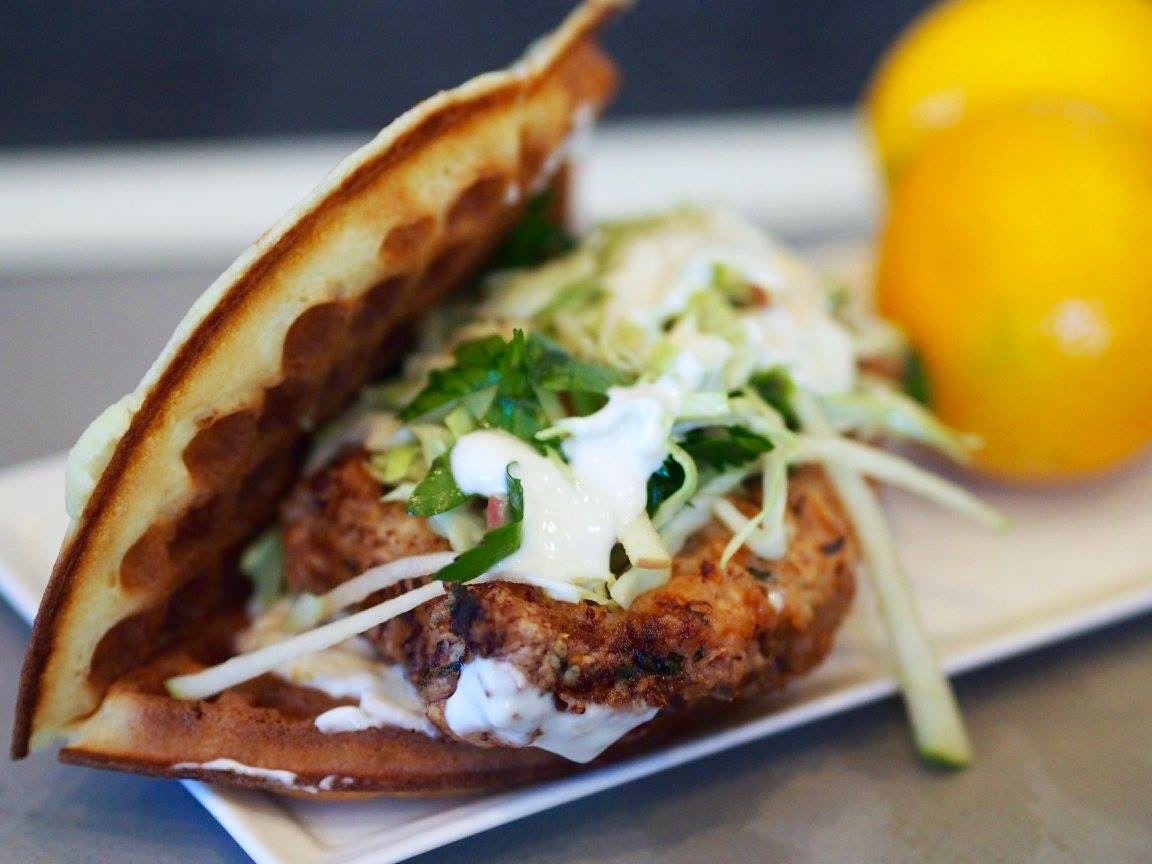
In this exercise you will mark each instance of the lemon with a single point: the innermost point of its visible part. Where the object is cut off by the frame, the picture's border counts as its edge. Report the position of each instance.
(967, 56)
(1017, 255)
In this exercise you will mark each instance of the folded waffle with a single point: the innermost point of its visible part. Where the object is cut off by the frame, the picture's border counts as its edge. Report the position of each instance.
(170, 483)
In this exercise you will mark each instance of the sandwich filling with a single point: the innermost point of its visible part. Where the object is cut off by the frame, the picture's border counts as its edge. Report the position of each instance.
(596, 493)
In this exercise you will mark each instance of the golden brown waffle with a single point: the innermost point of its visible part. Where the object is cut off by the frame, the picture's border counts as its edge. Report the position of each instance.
(171, 483)
(270, 723)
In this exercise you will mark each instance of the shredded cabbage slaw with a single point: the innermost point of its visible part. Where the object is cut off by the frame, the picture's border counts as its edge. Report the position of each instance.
(702, 346)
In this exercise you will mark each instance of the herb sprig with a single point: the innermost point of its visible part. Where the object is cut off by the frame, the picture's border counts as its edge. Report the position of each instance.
(663, 484)
(724, 447)
(494, 546)
(776, 387)
(712, 448)
(520, 375)
(915, 378)
(536, 238)
(516, 371)
(437, 492)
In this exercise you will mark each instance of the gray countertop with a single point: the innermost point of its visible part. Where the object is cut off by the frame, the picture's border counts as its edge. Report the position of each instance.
(1063, 772)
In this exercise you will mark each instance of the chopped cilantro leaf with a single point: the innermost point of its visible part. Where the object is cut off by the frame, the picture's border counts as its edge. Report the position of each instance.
(521, 416)
(663, 484)
(583, 404)
(536, 238)
(437, 492)
(475, 369)
(723, 447)
(562, 373)
(776, 387)
(515, 499)
(515, 372)
(916, 382)
(715, 447)
(515, 407)
(494, 546)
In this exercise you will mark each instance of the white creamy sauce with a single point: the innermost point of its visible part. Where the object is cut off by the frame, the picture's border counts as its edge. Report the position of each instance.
(659, 272)
(386, 698)
(614, 451)
(277, 775)
(816, 350)
(701, 359)
(495, 698)
(568, 532)
(350, 670)
(574, 514)
(776, 598)
(330, 782)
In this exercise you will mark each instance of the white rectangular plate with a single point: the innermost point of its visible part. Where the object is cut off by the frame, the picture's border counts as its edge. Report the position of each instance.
(1074, 560)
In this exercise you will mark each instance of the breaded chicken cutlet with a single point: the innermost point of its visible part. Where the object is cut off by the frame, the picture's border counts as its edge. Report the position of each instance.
(709, 632)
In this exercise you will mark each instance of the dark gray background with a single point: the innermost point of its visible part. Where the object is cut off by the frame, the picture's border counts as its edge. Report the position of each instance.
(91, 71)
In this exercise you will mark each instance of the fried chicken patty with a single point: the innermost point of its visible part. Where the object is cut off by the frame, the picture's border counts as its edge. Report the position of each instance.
(334, 526)
(707, 633)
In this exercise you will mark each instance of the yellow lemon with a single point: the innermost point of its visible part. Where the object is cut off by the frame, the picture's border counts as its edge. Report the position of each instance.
(966, 56)
(1017, 255)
